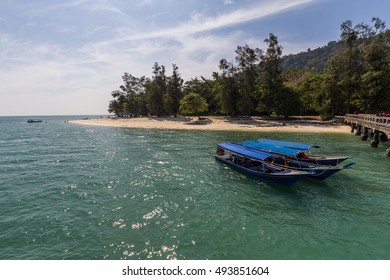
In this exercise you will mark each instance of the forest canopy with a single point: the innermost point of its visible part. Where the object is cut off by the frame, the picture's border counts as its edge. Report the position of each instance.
(350, 75)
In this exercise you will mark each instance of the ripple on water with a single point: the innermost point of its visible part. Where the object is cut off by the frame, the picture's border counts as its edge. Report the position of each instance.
(76, 192)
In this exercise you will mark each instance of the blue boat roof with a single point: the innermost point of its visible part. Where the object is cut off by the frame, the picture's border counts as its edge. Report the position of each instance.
(273, 148)
(293, 145)
(245, 151)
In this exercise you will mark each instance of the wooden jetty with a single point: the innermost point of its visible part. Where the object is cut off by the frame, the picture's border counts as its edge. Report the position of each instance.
(376, 126)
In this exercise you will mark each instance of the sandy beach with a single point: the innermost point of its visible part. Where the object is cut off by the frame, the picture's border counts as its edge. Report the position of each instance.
(220, 123)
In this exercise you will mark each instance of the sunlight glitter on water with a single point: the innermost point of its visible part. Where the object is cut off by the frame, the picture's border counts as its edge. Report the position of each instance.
(112, 193)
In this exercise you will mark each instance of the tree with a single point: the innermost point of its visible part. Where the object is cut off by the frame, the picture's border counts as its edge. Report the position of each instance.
(173, 92)
(115, 107)
(127, 95)
(342, 85)
(339, 81)
(247, 60)
(155, 90)
(357, 77)
(376, 78)
(332, 97)
(227, 88)
(193, 104)
(349, 60)
(307, 87)
(205, 88)
(133, 87)
(287, 102)
(270, 83)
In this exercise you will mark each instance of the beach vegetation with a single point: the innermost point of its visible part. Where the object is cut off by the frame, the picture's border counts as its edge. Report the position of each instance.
(272, 94)
(129, 97)
(247, 60)
(206, 88)
(193, 104)
(346, 76)
(115, 107)
(173, 93)
(227, 88)
(376, 78)
(155, 90)
(355, 79)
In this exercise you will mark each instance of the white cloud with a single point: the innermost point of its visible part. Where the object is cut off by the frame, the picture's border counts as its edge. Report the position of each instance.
(228, 2)
(104, 6)
(200, 23)
(143, 3)
(52, 77)
(51, 8)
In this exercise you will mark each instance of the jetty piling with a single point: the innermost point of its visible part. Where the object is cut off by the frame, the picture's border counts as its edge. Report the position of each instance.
(358, 130)
(375, 140)
(353, 126)
(383, 137)
(364, 124)
(364, 136)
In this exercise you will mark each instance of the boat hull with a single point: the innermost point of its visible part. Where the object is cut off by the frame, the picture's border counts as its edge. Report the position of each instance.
(322, 173)
(288, 178)
(317, 171)
(34, 121)
(324, 160)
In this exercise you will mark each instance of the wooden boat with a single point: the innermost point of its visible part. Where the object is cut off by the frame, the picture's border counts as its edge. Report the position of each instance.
(318, 171)
(251, 162)
(292, 150)
(34, 121)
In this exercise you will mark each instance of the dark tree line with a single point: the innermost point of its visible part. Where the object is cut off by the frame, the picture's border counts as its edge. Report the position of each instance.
(356, 78)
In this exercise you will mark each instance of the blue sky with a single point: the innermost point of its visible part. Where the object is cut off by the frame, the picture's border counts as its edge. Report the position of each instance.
(65, 57)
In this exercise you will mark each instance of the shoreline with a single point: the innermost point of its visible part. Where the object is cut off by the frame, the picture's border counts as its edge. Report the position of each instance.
(221, 123)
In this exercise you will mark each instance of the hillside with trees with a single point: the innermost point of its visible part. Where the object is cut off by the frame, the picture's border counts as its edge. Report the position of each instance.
(316, 60)
(312, 60)
(351, 75)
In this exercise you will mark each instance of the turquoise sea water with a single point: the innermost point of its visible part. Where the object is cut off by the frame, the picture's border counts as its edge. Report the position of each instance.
(84, 192)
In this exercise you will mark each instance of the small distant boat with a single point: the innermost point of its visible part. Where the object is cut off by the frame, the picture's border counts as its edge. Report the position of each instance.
(293, 150)
(34, 121)
(251, 162)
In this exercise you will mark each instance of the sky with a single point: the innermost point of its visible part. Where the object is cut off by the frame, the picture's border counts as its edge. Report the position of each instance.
(62, 57)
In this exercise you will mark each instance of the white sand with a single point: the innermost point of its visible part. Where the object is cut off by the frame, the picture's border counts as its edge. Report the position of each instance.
(221, 124)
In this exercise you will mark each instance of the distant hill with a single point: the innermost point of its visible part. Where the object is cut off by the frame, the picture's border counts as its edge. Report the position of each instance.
(315, 60)
(312, 60)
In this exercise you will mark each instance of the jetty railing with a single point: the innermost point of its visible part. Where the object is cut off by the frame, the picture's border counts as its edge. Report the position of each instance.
(373, 122)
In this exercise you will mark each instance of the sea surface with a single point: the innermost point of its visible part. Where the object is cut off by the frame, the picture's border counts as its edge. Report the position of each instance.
(76, 192)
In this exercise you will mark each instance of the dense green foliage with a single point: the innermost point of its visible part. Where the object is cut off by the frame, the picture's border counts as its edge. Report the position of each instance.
(351, 75)
(193, 104)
